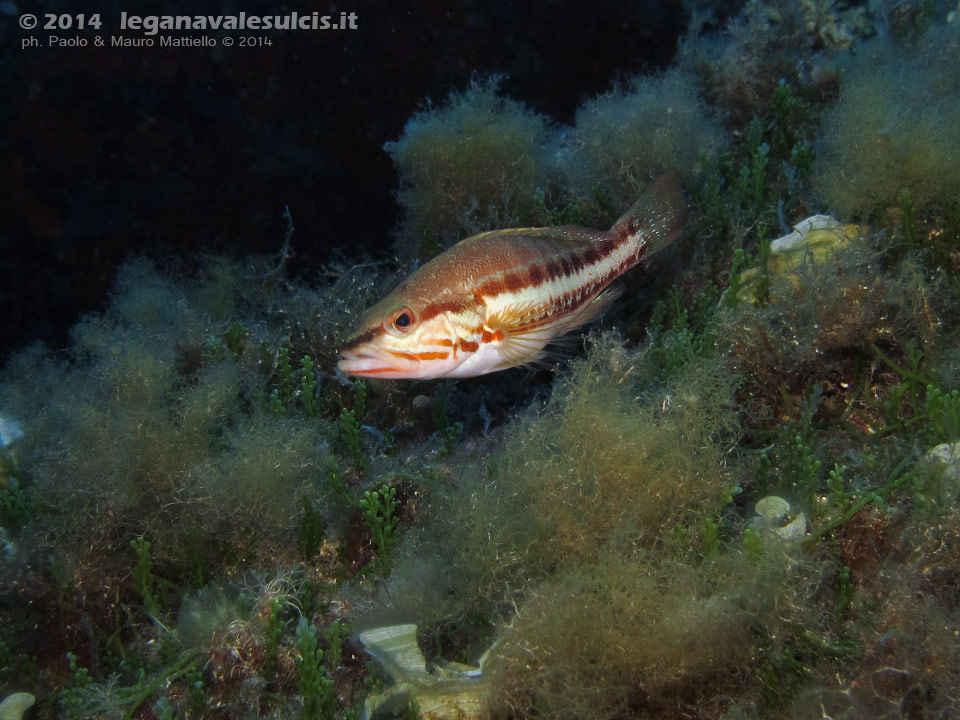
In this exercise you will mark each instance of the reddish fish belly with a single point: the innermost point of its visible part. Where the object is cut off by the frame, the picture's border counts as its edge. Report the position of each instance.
(496, 300)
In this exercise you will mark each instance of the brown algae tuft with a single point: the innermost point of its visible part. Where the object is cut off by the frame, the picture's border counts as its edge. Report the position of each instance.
(471, 164)
(895, 126)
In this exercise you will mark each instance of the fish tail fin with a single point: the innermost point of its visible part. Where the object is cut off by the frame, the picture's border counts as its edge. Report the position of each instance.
(656, 219)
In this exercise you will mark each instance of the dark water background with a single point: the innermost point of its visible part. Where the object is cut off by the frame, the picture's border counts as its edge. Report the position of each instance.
(106, 152)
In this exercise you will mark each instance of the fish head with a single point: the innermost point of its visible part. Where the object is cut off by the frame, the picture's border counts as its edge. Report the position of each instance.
(404, 337)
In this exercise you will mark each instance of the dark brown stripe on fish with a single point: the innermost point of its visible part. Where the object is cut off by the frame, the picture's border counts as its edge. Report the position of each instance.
(557, 268)
(536, 275)
(430, 311)
(576, 260)
(362, 338)
(573, 299)
(592, 255)
(434, 309)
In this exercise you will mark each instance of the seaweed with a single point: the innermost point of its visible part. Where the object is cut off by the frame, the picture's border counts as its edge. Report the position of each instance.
(596, 535)
(316, 688)
(894, 126)
(472, 164)
(636, 131)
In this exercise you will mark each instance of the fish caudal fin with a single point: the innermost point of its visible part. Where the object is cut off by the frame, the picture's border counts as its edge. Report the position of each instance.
(657, 218)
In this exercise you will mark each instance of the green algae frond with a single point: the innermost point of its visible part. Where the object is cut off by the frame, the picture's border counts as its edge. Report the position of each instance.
(635, 132)
(895, 126)
(600, 464)
(471, 164)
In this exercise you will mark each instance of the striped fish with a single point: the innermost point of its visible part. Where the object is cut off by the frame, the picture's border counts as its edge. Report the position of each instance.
(496, 300)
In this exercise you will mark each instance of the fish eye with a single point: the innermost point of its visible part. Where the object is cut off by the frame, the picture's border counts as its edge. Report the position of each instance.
(400, 321)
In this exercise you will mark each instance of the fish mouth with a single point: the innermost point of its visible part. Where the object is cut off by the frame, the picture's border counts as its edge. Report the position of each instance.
(367, 364)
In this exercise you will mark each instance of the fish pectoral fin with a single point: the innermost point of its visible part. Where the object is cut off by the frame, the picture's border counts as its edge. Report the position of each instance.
(594, 308)
(532, 321)
(518, 340)
(521, 349)
(523, 335)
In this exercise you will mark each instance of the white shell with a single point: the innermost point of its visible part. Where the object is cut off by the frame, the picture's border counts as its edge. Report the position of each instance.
(16, 705)
(793, 531)
(396, 648)
(949, 455)
(772, 508)
(449, 691)
(804, 228)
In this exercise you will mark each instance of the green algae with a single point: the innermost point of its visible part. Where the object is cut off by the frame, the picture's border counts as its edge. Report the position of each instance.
(596, 464)
(895, 126)
(482, 161)
(471, 164)
(638, 130)
(598, 532)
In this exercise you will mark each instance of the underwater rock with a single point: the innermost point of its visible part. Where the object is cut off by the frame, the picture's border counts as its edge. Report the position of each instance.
(639, 129)
(812, 240)
(16, 705)
(447, 690)
(471, 164)
(8, 548)
(895, 124)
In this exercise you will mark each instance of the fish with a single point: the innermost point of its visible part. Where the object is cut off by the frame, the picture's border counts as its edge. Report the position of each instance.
(497, 300)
